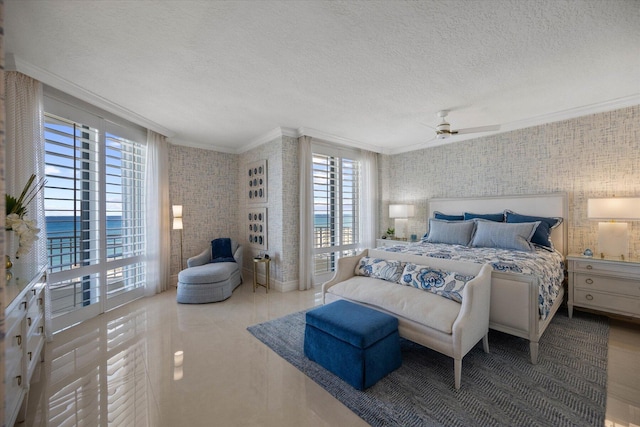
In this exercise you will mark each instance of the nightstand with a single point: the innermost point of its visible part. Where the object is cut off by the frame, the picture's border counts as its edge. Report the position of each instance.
(391, 242)
(607, 285)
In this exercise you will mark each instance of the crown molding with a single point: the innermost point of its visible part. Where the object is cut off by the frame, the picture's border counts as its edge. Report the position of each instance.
(572, 113)
(324, 136)
(13, 63)
(210, 147)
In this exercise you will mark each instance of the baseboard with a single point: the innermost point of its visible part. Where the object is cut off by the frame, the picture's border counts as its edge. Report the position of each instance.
(276, 285)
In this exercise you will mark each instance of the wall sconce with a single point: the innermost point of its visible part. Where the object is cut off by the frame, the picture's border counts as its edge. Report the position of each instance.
(401, 213)
(613, 237)
(177, 225)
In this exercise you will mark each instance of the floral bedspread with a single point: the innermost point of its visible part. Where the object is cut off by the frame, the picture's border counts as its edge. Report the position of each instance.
(547, 266)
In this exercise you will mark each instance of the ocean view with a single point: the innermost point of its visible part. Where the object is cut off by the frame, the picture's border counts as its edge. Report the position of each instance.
(63, 239)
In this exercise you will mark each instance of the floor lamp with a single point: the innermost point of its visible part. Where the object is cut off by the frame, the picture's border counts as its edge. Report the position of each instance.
(177, 225)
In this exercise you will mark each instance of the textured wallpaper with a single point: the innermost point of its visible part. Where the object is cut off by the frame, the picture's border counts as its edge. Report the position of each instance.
(204, 183)
(282, 209)
(591, 156)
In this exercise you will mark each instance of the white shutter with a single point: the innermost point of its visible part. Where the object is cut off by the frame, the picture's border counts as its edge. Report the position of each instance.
(94, 207)
(336, 182)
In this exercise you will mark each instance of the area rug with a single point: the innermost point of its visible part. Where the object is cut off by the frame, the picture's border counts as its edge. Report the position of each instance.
(566, 388)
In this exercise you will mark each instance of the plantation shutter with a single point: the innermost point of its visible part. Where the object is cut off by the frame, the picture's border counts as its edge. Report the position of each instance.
(336, 183)
(94, 210)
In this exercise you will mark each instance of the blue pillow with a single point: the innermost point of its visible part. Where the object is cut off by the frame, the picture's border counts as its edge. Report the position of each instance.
(221, 250)
(542, 236)
(440, 215)
(499, 217)
(450, 232)
(491, 234)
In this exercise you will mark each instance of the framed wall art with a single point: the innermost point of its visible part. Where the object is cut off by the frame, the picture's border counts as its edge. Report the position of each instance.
(258, 228)
(257, 182)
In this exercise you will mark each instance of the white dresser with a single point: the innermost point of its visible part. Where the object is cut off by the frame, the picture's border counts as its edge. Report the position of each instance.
(24, 335)
(607, 285)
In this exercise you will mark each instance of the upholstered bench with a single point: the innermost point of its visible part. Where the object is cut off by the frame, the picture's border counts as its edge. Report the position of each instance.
(356, 343)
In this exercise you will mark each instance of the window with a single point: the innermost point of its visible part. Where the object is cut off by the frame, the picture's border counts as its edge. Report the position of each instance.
(94, 212)
(336, 210)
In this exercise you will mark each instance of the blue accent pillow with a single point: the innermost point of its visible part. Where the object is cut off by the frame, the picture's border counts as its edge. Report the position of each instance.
(542, 236)
(490, 234)
(450, 232)
(221, 250)
(440, 215)
(498, 217)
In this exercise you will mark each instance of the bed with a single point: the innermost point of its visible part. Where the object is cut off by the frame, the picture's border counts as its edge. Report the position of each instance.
(523, 299)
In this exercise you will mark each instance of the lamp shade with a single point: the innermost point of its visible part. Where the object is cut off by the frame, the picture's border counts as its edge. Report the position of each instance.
(177, 211)
(401, 211)
(620, 208)
(177, 223)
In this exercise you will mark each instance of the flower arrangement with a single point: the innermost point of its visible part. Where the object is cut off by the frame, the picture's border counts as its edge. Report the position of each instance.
(17, 209)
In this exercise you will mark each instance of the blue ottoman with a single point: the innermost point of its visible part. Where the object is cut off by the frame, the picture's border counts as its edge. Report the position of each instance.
(358, 344)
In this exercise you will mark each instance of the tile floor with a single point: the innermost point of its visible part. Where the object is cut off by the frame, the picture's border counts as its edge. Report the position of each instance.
(125, 368)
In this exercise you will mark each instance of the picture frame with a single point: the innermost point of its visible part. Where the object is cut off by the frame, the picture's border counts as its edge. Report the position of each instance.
(257, 182)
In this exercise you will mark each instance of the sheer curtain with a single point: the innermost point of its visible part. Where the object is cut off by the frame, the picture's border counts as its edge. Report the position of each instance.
(305, 160)
(157, 213)
(369, 200)
(24, 155)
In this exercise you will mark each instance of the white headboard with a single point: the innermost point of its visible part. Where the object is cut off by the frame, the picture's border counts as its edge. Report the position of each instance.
(553, 205)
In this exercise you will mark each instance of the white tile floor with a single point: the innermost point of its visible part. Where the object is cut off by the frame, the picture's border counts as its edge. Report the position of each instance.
(122, 369)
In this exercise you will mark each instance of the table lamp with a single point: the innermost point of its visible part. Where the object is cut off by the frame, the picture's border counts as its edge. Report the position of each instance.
(613, 236)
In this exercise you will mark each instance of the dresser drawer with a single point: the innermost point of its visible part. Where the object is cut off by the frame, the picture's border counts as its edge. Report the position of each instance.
(607, 284)
(608, 302)
(608, 267)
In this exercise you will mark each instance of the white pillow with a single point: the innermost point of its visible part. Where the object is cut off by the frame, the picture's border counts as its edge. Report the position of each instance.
(503, 235)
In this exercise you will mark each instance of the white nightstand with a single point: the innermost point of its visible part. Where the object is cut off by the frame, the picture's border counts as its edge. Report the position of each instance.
(391, 242)
(606, 285)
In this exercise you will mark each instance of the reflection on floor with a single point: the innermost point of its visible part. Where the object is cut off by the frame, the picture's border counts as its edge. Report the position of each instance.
(158, 363)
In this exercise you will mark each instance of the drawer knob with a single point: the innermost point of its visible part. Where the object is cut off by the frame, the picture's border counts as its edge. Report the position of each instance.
(34, 292)
(19, 339)
(589, 297)
(589, 281)
(41, 329)
(30, 355)
(25, 304)
(19, 378)
(28, 321)
(39, 301)
(589, 267)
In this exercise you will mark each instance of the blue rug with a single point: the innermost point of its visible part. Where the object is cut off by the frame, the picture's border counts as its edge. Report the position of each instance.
(566, 388)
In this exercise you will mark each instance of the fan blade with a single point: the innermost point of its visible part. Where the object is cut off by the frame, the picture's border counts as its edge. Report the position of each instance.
(478, 129)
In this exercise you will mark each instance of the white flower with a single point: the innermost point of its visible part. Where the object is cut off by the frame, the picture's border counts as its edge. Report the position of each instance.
(25, 229)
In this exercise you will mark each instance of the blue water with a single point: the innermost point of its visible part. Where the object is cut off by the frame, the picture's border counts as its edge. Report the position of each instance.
(63, 242)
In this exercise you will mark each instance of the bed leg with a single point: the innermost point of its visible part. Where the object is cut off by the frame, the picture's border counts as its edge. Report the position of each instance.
(533, 349)
(457, 372)
(485, 343)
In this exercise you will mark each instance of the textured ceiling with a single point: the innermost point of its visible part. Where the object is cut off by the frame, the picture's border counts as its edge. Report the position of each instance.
(370, 73)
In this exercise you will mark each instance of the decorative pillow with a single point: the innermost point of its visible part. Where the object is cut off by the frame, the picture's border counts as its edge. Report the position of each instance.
(440, 215)
(451, 232)
(498, 217)
(221, 250)
(447, 284)
(542, 236)
(380, 268)
(504, 236)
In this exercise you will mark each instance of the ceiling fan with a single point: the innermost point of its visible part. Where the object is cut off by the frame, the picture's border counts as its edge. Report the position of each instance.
(444, 131)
